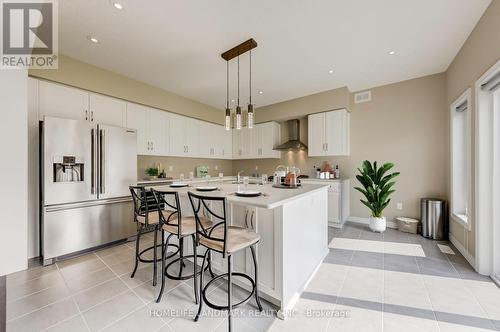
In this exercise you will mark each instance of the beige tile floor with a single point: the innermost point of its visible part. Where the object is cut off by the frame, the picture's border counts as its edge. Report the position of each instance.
(368, 282)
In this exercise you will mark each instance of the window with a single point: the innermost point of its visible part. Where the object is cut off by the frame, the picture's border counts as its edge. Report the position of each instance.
(460, 158)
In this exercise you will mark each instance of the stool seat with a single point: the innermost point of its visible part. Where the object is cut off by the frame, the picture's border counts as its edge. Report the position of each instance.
(188, 225)
(237, 238)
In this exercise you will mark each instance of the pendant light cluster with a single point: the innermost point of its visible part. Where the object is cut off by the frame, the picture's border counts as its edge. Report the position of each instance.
(235, 52)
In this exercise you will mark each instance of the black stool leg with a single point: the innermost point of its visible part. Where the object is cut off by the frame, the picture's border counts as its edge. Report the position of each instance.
(210, 265)
(137, 239)
(155, 267)
(256, 270)
(229, 292)
(201, 287)
(195, 267)
(163, 263)
(181, 254)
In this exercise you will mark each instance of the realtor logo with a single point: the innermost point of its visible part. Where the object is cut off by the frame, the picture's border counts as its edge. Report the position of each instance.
(29, 34)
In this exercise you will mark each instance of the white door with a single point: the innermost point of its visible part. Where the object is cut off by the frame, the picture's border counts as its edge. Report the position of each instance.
(137, 118)
(247, 151)
(257, 140)
(108, 111)
(227, 143)
(237, 151)
(157, 129)
(316, 134)
(62, 101)
(192, 137)
(206, 139)
(177, 136)
(335, 133)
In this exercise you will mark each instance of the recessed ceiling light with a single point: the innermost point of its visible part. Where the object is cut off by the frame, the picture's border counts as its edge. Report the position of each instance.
(93, 39)
(392, 52)
(117, 5)
(261, 92)
(330, 71)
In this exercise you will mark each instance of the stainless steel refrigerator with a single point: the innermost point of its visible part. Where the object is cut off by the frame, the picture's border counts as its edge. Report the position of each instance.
(86, 170)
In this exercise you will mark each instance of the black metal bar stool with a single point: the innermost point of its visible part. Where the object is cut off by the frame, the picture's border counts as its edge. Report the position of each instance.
(146, 217)
(226, 240)
(169, 222)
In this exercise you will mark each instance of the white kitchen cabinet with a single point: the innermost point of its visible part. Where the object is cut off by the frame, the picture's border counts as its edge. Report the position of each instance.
(62, 101)
(226, 143)
(338, 199)
(107, 110)
(184, 136)
(329, 133)
(152, 127)
(258, 142)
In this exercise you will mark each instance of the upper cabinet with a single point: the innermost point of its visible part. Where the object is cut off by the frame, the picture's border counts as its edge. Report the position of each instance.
(258, 142)
(107, 110)
(62, 101)
(66, 102)
(184, 136)
(328, 133)
(152, 127)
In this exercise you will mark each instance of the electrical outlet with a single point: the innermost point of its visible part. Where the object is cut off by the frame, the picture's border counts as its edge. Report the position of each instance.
(399, 206)
(216, 167)
(170, 168)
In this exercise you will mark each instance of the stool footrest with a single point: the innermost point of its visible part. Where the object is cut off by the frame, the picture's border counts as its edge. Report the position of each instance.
(144, 260)
(182, 277)
(226, 308)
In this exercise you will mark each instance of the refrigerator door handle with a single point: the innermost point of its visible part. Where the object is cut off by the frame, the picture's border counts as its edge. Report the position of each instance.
(93, 163)
(102, 161)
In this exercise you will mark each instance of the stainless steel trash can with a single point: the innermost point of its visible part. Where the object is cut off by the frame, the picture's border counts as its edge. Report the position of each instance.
(434, 218)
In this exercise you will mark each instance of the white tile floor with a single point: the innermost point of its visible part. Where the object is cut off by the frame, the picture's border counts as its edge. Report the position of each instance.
(369, 282)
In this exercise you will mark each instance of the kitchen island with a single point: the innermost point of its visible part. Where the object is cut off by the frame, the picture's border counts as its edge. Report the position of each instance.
(293, 225)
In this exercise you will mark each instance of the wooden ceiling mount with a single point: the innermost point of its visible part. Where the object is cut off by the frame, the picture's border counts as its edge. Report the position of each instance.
(239, 50)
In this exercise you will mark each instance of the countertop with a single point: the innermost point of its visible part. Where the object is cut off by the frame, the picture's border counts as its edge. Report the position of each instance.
(323, 180)
(271, 198)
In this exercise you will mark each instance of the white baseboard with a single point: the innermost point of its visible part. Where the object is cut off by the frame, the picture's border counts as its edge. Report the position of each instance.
(366, 221)
(462, 250)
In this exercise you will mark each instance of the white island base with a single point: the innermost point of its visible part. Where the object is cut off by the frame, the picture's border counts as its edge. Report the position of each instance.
(293, 225)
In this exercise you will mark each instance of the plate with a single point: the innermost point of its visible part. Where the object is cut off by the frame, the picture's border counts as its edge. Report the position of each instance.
(206, 188)
(178, 185)
(248, 193)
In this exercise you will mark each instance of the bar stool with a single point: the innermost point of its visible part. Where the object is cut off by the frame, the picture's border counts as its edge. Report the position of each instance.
(169, 222)
(147, 220)
(226, 240)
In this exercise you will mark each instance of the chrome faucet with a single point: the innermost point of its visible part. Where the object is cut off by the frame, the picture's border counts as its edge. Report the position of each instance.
(238, 178)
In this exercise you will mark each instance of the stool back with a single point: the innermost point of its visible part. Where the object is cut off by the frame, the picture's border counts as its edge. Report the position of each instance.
(170, 214)
(201, 203)
(144, 202)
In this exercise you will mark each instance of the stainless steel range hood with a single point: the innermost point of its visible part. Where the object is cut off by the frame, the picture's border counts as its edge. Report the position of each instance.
(293, 143)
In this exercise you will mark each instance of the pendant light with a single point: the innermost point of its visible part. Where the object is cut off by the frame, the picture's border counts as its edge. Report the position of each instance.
(238, 108)
(250, 106)
(228, 110)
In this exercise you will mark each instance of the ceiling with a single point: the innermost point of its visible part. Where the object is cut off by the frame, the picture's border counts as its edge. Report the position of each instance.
(176, 44)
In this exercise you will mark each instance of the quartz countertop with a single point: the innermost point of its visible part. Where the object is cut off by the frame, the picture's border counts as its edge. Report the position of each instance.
(323, 180)
(271, 198)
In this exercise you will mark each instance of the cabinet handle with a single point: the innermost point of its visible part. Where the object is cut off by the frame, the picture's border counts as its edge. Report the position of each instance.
(246, 218)
(86, 115)
(92, 116)
(326, 146)
(251, 220)
(152, 146)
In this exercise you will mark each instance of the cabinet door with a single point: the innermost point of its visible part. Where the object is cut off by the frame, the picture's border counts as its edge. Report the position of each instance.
(257, 133)
(62, 101)
(241, 218)
(334, 206)
(108, 111)
(177, 136)
(335, 133)
(237, 151)
(316, 134)
(137, 118)
(247, 143)
(207, 137)
(192, 130)
(227, 143)
(270, 139)
(157, 129)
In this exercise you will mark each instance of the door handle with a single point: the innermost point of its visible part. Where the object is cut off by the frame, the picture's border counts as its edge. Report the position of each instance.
(92, 161)
(102, 162)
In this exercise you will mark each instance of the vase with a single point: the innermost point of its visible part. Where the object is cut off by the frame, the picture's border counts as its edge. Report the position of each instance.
(377, 224)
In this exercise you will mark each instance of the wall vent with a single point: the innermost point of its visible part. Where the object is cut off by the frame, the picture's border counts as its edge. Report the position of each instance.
(362, 97)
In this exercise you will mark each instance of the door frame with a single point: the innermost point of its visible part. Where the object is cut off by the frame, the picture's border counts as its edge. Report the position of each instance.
(487, 233)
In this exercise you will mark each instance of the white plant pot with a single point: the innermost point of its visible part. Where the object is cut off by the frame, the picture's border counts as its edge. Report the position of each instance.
(377, 224)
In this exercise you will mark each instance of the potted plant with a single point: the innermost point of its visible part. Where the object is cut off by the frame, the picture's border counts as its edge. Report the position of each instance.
(377, 187)
(152, 172)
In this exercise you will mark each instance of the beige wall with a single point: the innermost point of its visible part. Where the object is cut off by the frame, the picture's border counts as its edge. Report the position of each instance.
(405, 123)
(478, 54)
(83, 75)
(183, 165)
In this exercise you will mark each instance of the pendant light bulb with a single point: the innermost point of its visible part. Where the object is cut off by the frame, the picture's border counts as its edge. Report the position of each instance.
(228, 119)
(238, 117)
